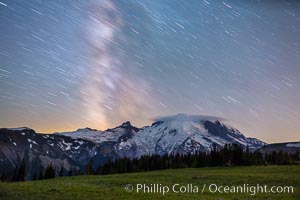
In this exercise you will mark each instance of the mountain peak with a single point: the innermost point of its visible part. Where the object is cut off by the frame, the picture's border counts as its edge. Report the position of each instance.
(126, 124)
(86, 129)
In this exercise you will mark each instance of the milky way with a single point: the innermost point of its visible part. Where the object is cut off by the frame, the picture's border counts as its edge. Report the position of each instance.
(110, 91)
(71, 64)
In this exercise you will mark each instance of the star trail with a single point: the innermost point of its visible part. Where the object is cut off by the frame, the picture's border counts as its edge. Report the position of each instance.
(71, 64)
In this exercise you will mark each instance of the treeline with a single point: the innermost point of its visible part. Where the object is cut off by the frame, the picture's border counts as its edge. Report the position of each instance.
(229, 155)
(20, 173)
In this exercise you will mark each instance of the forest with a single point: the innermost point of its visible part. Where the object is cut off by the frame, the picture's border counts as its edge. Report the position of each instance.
(229, 155)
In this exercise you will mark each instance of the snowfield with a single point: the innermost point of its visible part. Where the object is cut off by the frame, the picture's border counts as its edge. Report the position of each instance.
(173, 134)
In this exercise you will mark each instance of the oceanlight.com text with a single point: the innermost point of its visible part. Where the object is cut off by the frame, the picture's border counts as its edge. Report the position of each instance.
(208, 188)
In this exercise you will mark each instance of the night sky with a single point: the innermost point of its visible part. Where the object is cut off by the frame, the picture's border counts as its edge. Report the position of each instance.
(72, 64)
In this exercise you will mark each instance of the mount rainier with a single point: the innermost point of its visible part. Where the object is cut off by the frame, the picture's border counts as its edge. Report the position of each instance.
(168, 135)
(179, 134)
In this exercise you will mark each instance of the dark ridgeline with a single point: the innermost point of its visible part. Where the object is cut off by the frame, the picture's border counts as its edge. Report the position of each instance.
(229, 155)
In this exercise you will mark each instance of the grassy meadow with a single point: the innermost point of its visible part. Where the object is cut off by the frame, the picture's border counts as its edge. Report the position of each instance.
(112, 186)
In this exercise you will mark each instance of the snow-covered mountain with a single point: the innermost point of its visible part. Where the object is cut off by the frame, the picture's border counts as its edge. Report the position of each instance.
(97, 136)
(187, 134)
(168, 135)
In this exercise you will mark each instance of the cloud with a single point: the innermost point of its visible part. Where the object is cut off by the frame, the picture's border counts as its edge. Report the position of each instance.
(186, 117)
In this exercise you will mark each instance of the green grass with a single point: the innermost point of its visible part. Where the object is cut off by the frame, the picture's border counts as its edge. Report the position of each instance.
(112, 186)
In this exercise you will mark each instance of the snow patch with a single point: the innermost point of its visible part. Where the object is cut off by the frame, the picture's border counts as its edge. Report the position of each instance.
(79, 142)
(76, 148)
(31, 141)
(68, 145)
(293, 145)
(19, 129)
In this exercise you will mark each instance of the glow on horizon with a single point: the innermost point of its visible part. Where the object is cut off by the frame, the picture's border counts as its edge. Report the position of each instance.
(248, 130)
